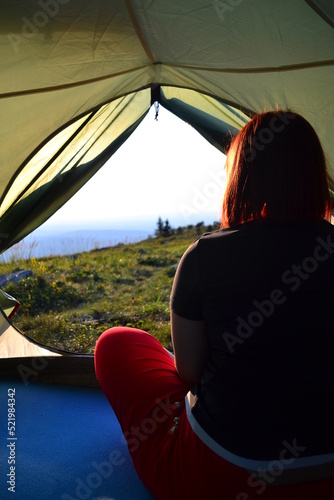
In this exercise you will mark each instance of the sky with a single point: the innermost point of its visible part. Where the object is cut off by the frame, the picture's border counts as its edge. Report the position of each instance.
(165, 169)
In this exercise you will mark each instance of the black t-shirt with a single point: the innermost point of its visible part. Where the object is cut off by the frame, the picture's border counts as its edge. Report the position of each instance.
(266, 294)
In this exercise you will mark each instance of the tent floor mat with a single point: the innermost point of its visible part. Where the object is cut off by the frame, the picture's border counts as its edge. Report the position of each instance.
(67, 445)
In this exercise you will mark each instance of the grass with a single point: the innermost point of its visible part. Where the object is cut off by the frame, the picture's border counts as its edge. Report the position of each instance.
(69, 301)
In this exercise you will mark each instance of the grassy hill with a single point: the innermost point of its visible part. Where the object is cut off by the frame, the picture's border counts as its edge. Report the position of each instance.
(69, 301)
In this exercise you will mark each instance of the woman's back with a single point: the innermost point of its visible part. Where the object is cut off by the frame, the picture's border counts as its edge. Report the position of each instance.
(265, 291)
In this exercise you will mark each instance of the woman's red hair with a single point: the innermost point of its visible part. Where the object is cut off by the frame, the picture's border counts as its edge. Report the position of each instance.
(276, 170)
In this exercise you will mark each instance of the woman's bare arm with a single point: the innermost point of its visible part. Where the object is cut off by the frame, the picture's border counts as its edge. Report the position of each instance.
(190, 348)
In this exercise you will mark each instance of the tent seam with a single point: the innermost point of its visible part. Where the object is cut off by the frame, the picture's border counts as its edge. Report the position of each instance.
(272, 69)
(269, 69)
(139, 31)
(68, 85)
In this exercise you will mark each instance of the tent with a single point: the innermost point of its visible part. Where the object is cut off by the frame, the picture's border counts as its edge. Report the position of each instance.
(78, 77)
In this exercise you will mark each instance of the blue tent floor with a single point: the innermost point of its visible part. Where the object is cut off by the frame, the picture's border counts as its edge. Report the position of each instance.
(68, 446)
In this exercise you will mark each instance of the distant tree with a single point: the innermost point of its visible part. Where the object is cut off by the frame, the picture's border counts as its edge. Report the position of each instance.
(163, 228)
(199, 227)
(160, 227)
(167, 229)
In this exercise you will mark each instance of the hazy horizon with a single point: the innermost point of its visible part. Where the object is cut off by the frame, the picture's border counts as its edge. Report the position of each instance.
(79, 236)
(134, 224)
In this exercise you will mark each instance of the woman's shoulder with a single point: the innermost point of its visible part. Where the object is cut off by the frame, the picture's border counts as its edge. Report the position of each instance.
(263, 235)
(260, 232)
(228, 232)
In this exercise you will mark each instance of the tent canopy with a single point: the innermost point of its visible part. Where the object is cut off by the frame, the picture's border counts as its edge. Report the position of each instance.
(78, 76)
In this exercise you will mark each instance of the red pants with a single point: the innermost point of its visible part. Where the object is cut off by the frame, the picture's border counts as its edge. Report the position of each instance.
(140, 382)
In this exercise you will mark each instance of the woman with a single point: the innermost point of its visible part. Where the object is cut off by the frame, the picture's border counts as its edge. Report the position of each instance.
(246, 407)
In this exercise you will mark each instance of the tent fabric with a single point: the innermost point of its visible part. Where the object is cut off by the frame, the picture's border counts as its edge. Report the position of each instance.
(13, 344)
(80, 150)
(8, 303)
(24, 359)
(215, 121)
(78, 76)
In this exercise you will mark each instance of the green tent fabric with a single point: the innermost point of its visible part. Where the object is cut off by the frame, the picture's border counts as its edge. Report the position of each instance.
(78, 76)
